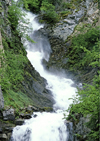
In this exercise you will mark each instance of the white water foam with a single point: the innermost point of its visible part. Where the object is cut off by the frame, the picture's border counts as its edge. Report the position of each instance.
(46, 126)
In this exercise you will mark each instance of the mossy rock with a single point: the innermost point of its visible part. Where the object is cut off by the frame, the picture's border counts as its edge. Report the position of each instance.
(48, 109)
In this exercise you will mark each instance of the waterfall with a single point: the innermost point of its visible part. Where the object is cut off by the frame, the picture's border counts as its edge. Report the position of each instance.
(46, 126)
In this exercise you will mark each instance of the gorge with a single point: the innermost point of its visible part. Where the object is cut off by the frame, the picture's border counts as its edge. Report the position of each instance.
(46, 126)
(61, 52)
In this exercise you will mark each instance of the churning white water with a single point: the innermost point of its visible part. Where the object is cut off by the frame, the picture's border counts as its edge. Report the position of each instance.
(46, 126)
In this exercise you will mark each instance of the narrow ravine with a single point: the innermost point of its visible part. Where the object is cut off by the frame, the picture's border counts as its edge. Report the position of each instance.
(46, 126)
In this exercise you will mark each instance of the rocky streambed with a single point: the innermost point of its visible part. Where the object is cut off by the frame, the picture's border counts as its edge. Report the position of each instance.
(9, 118)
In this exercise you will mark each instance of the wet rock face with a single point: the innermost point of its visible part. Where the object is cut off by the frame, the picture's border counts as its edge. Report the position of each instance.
(80, 129)
(69, 126)
(8, 115)
(34, 86)
(65, 27)
(9, 118)
(88, 13)
(3, 16)
(1, 99)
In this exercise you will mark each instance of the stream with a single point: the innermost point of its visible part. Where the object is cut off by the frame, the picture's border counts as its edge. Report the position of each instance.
(47, 126)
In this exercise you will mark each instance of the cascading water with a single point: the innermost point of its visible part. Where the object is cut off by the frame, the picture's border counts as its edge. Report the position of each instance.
(46, 126)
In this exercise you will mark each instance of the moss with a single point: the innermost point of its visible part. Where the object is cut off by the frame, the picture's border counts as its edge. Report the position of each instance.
(65, 13)
(0, 9)
(9, 123)
(5, 44)
(68, 5)
(48, 109)
(16, 99)
(77, 10)
(95, 21)
(41, 21)
(0, 4)
(29, 75)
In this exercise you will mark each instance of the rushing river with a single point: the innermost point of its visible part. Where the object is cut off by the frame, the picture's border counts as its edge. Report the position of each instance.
(46, 126)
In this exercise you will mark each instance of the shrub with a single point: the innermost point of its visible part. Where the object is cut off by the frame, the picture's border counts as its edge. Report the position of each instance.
(86, 52)
(68, 5)
(65, 13)
(48, 12)
(46, 7)
(84, 48)
(86, 103)
(11, 71)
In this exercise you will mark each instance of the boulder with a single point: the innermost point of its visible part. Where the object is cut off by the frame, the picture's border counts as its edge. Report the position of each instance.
(35, 109)
(25, 116)
(8, 129)
(3, 137)
(1, 130)
(9, 114)
(69, 126)
(9, 136)
(81, 129)
(1, 99)
(19, 121)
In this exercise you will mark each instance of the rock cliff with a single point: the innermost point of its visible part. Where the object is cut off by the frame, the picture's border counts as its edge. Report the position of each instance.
(85, 13)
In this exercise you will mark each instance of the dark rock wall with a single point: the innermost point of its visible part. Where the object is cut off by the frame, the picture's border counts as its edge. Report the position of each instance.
(34, 86)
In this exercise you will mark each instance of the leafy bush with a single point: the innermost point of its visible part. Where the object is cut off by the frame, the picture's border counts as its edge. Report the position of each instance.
(86, 103)
(16, 99)
(15, 14)
(11, 71)
(48, 12)
(65, 13)
(84, 49)
(85, 52)
(33, 5)
(68, 5)
(46, 7)
(17, 20)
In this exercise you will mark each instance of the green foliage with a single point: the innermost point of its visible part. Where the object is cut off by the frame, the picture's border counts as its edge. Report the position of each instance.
(33, 5)
(48, 12)
(88, 39)
(46, 7)
(18, 22)
(13, 58)
(86, 102)
(11, 71)
(65, 13)
(85, 49)
(0, 7)
(14, 15)
(16, 99)
(95, 21)
(85, 52)
(78, 1)
(68, 5)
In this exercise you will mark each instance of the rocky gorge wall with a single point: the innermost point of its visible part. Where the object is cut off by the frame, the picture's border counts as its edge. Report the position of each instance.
(32, 80)
(60, 36)
(32, 87)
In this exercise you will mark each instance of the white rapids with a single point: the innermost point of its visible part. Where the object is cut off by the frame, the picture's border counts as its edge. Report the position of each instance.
(46, 126)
